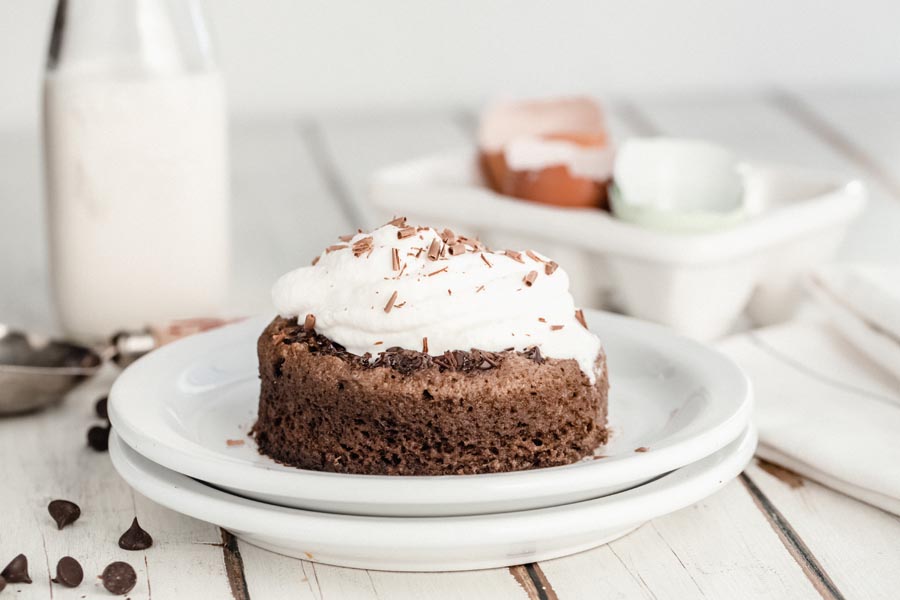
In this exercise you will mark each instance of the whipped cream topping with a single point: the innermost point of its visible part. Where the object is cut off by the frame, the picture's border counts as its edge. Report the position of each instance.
(420, 289)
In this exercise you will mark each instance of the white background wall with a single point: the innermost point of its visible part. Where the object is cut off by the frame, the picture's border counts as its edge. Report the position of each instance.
(301, 56)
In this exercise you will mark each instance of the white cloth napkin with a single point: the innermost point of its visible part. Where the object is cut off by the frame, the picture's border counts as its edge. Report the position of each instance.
(828, 386)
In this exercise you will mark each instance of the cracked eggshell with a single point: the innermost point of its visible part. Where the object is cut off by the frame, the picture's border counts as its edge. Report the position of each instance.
(678, 185)
(549, 151)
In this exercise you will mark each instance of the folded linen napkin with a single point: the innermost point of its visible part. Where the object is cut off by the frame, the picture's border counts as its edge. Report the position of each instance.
(828, 401)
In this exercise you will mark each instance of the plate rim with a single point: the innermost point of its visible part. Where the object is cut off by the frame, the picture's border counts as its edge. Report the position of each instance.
(318, 486)
(665, 495)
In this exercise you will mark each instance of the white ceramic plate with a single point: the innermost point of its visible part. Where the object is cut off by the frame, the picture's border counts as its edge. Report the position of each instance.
(180, 405)
(434, 543)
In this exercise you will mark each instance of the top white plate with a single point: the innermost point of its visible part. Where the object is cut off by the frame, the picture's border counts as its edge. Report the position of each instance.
(179, 406)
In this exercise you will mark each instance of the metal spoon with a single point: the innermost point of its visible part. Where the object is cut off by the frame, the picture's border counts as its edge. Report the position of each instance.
(36, 371)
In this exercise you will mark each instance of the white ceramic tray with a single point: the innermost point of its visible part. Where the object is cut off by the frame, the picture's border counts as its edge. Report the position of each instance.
(436, 543)
(696, 283)
(181, 404)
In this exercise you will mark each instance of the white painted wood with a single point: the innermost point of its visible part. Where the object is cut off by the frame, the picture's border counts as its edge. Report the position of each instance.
(45, 457)
(283, 213)
(858, 545)
(356, 147)
(722, 547)
(758, 128)
(869, 120)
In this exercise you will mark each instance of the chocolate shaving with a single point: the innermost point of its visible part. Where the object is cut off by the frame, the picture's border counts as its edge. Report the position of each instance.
(400, 274)
(529, 279)
(398, 222)
(534, 353)
(534, 256)
(363, 246)
(642, 449)
(434, 251)
(579, 316)
(390, 302)
(556, 327)
(486, 261)
(480, 288)
(436, 272)
(400, 304)
(378, 343)
(550, 267)
(516, 256)
(448, 236)
(335, 247)
(309, 323)
(457, 249)
(315, 261)
(542, 319)
(395, 259)
(425, 345)
(234, 443)
(449, 292)
(406, 232)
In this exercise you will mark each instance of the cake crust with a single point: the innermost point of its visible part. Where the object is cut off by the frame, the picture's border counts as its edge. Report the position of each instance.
(409, 413)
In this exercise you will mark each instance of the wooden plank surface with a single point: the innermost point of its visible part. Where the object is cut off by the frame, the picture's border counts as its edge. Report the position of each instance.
(45, 457)
(296, 186)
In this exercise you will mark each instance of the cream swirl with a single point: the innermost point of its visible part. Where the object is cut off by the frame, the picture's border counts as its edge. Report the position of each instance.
(385, 288)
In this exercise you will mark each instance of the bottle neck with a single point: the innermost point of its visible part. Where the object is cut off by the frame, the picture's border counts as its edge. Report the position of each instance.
(139, 37)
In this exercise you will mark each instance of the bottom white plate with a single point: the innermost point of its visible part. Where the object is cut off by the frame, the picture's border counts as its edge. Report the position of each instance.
(434, 543)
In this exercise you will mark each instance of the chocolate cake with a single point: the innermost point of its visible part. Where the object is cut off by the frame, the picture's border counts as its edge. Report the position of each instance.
(344, 388)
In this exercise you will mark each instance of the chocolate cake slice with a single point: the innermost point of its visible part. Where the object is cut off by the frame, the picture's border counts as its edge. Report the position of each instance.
(409, 413)
(408, 351)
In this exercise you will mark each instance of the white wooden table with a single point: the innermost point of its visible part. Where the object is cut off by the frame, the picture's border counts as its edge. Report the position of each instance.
(297, 184)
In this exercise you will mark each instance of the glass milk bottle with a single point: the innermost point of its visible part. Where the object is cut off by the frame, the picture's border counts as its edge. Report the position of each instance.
(135, 141)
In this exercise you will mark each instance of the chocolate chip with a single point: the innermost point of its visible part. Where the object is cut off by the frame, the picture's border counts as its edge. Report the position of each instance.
(63, 512)
(135, 538)
(100, 408)
(16, 571)
(119, 578)
(98, 438)
(68, 572)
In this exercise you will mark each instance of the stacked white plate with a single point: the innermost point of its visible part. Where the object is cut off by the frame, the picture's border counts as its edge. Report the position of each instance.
(680, 418)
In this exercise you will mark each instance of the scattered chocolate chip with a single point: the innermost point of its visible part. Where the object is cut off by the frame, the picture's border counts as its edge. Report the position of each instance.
(135, 538)
(98, 438)
(16, 571)
(63, 512)
(100, 408)
(68, 572)
(119, 578)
